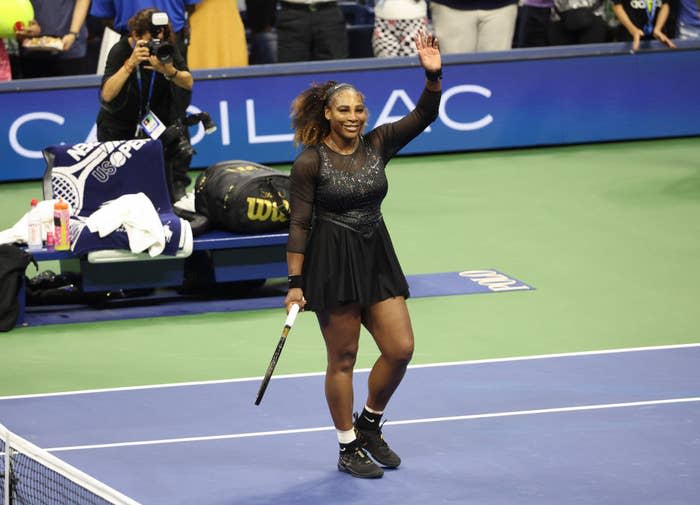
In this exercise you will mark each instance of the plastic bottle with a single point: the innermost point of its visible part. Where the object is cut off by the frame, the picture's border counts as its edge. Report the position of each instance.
(49, 241)
(47, 227)
(34, 241)
(61, 220)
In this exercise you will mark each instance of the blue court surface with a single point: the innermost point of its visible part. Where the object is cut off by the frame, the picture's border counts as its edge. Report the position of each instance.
(609, 427)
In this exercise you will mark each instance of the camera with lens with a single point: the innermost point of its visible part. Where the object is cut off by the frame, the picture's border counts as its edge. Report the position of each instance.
(178, 151)
(176, 140)
(160, 48)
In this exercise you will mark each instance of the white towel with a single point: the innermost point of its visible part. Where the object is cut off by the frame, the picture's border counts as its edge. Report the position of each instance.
(138, 216)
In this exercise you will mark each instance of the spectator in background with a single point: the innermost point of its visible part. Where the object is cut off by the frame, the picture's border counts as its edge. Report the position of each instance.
(642, 20)
(533, 23)
(578, 22)
(62, 18)
(178, 11)
(396, 24)
(5, 63)
(310, 30)
(120, 11)
(217, 36)
(468, 26)
(137, 87)
(261, 21)
(688, 20)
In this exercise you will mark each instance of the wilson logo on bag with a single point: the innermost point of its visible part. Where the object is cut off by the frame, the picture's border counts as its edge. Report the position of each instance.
(260, 209)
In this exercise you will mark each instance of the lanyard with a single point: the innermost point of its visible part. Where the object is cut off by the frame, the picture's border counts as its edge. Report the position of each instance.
(651, 14)
(143, 111)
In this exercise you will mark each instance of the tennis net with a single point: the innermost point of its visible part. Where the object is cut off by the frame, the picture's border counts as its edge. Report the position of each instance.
(30, 475)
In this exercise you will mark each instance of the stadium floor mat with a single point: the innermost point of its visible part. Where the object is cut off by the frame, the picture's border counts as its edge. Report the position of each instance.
(163, 302)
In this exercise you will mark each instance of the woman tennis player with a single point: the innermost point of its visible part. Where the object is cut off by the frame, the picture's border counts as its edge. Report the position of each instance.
(340, 258)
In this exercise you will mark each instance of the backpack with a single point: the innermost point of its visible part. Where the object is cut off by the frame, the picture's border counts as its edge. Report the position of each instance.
(243, 197)
(13, 263)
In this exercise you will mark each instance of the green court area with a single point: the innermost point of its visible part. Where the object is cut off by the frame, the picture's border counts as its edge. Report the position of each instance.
(607, 234)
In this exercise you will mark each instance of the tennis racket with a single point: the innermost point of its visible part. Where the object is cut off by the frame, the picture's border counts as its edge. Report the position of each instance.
(276, 355)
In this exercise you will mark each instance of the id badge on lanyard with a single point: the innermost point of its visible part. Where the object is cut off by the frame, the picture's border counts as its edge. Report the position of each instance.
(152, 126)
(150, 123)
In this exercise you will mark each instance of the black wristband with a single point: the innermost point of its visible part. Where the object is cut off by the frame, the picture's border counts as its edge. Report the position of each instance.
(295, 281)
(434, 76)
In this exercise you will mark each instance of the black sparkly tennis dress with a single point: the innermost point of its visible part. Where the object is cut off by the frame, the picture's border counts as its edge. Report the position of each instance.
(336, 219)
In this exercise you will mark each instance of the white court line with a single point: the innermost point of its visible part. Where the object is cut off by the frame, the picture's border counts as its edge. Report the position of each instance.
(230, 436)
(357, 370)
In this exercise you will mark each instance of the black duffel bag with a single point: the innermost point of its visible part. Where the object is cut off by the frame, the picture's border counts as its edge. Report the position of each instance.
(243, 197)
(13, 263)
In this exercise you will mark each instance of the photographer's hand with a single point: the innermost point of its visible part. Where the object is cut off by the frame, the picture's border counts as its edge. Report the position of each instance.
(155, 64)
(138, 55)
(113, 86)
(181, 78)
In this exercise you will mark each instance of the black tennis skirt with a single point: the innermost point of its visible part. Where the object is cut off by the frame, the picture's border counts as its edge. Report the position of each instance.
(342, 266)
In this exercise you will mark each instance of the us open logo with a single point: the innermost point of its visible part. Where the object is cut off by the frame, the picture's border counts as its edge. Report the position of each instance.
(494, 280)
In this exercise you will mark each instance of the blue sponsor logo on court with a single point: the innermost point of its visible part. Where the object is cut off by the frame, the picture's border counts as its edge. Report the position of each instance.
(464, 283)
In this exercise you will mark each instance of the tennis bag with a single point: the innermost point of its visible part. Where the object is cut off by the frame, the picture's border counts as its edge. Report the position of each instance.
(13, 263)
(243, 197)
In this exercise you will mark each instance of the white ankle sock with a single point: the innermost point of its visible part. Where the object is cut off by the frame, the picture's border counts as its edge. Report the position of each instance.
(378, 412)
(345, 436)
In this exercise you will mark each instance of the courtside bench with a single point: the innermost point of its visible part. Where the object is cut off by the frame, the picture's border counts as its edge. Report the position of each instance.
(217, 257)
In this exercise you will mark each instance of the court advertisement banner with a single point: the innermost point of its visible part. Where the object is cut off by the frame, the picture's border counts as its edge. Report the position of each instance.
(514, 101)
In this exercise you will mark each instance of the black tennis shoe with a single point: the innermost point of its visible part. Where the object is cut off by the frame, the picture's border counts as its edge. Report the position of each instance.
(373, 442)
(354, 460)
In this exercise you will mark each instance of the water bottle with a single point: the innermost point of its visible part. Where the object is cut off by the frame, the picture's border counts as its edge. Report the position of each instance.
(34, 239)
(61, 220)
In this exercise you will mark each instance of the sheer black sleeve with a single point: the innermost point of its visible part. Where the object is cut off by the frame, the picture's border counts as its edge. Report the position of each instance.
(303, 180)
(391, 137)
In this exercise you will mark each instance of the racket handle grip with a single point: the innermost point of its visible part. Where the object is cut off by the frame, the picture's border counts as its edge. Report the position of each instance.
(293, 311)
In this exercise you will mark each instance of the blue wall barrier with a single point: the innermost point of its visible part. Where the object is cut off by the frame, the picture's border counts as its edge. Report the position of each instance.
(523, 97)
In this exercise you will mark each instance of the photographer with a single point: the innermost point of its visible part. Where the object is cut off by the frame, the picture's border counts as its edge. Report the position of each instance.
(145, 89)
